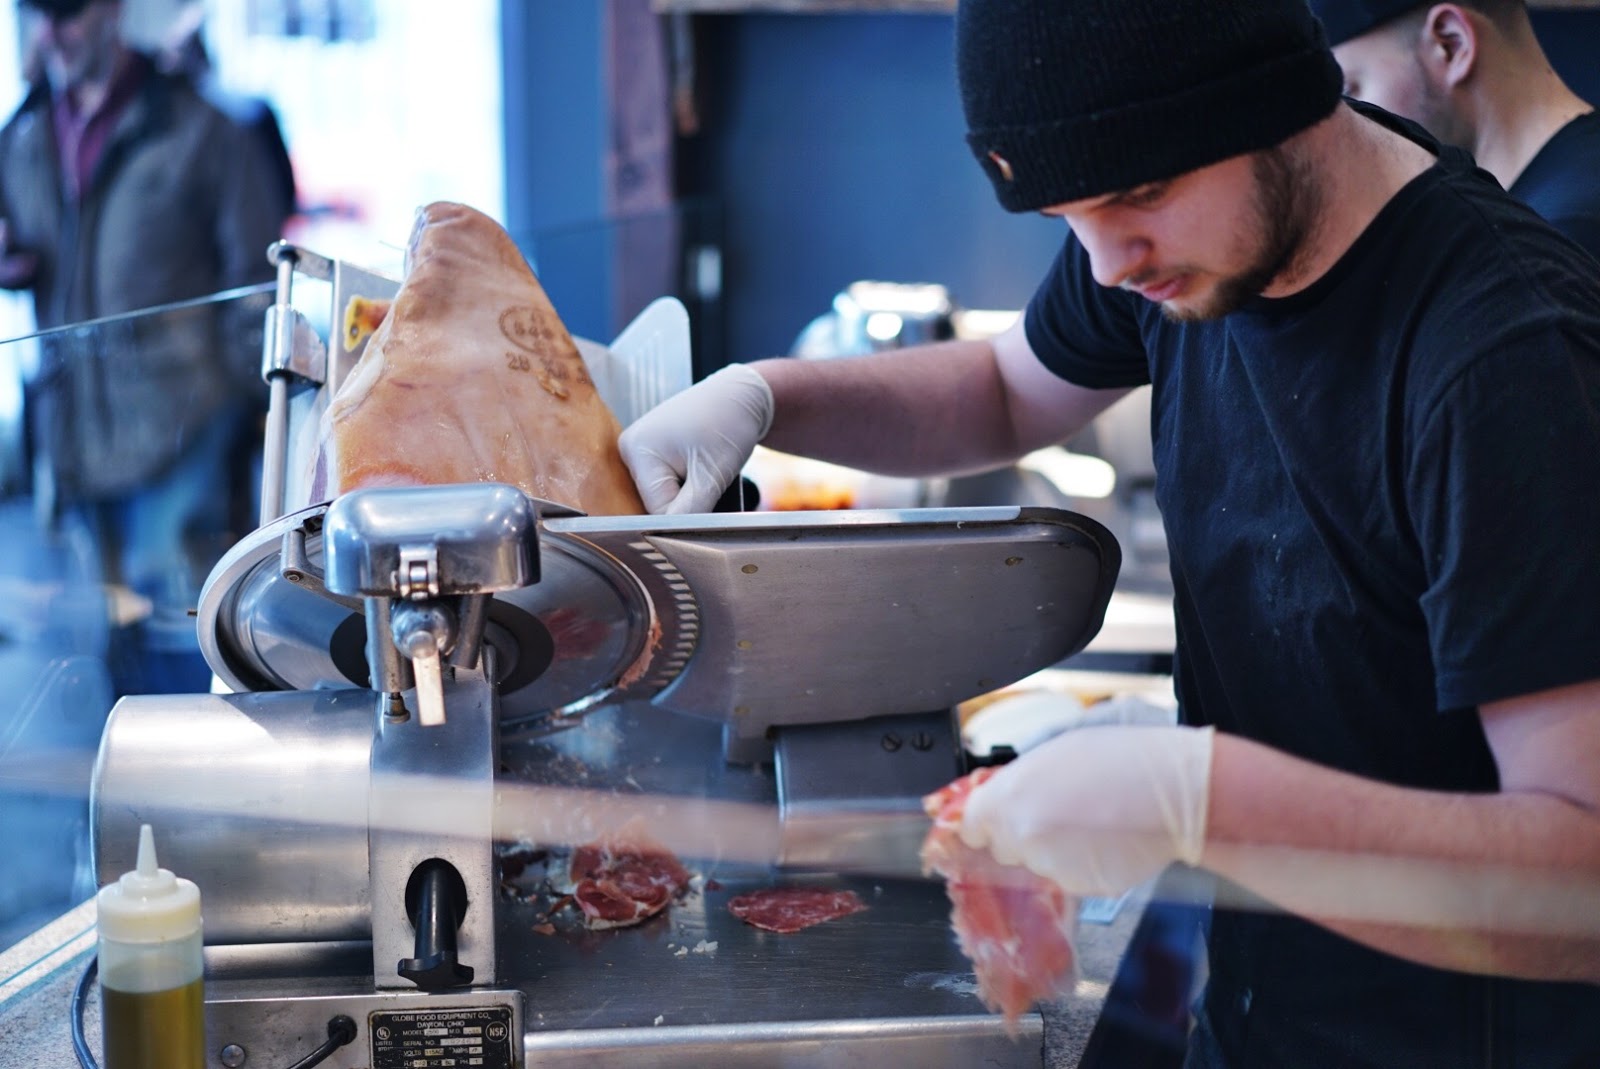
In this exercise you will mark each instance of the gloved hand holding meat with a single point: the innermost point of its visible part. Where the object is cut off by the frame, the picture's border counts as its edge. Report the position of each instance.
(1098, 810)
(1093, 811)
(1015, 926)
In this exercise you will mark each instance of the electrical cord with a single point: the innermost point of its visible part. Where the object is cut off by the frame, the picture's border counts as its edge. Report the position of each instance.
(341, 1029)
(80, 998)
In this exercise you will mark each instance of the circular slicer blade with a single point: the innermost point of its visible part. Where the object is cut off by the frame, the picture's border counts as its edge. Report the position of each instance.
(562, 644)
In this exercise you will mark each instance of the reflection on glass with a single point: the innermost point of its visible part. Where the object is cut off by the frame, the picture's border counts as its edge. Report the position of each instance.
(127, 472)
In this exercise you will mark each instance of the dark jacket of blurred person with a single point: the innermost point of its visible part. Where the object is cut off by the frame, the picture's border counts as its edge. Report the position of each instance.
(122, 188)
(184, 52)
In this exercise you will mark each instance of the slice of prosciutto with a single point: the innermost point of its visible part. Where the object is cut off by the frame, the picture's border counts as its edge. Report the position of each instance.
(792, 909)
(1015, 926)
(617, 884)
(470, 376)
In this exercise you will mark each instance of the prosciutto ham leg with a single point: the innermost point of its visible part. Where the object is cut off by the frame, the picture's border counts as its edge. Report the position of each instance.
(472, 377)
(1014, 925)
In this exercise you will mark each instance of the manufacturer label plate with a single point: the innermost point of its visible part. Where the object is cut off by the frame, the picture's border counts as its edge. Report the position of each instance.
(443, 1039)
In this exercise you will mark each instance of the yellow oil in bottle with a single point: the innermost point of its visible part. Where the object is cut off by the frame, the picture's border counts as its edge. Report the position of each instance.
(154, 1029)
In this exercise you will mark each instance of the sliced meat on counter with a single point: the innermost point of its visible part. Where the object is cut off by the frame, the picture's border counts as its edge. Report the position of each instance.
(1015, 926)
(470, 376)
(790, 909)
(623, 883)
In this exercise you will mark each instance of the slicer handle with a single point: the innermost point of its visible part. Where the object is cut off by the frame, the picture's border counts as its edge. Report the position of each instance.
(424, 631)
(436, 899)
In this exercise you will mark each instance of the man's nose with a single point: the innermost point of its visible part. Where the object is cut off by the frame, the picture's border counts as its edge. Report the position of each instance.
(1114, 255)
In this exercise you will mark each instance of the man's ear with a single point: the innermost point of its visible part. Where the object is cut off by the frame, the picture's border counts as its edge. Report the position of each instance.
(1449, 46)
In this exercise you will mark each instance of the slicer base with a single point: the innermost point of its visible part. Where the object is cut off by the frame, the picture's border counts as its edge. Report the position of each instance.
(694, 986)
(882, 987)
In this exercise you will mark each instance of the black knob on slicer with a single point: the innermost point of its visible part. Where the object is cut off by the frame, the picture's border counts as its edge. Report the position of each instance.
(436, 901)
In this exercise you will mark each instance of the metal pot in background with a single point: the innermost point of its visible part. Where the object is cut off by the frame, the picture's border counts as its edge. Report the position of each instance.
(869, 316)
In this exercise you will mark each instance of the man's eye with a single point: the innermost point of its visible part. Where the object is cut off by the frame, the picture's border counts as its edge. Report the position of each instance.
(1144, 196)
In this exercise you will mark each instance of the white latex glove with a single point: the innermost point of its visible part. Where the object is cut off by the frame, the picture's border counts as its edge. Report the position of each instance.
(688, 449)
(1098, 810)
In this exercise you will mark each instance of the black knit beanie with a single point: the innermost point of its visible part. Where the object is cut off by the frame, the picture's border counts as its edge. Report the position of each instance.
(1344, 19)
(1067, 99)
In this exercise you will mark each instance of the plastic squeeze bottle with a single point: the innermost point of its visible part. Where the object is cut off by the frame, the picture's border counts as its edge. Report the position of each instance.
(152, 1006)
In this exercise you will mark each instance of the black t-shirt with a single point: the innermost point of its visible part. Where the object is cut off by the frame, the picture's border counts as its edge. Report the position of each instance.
(1562, 182)
(1381, 497)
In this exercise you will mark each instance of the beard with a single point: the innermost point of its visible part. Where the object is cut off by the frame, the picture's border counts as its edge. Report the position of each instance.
(1285, 202)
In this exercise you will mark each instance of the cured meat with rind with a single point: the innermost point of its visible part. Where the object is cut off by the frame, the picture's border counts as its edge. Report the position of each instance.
(472, 377)
(1015, 926)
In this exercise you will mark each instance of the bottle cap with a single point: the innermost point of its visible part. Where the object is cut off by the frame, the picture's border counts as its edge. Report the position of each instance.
(149, 904)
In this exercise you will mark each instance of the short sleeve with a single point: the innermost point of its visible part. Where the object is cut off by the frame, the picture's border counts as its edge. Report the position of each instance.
(1087, 334)
(1504, 490)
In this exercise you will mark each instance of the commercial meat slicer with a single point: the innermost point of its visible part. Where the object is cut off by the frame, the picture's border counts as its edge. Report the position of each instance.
(416, 685)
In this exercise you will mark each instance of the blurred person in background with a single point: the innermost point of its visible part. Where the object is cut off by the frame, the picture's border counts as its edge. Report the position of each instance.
(122, 188)
(184, 52)
(1474, 74)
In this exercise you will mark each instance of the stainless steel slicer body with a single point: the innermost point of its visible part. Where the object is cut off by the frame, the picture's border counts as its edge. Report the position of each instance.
(410, 678)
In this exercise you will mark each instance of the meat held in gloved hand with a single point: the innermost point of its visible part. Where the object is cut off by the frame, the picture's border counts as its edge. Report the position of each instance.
(1014, 925)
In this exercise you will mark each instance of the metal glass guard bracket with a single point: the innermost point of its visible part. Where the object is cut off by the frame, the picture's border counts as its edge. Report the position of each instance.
(298, 365)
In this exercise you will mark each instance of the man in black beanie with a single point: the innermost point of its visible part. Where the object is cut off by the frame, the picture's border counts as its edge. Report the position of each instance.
(1475, 75)
(1376, 431)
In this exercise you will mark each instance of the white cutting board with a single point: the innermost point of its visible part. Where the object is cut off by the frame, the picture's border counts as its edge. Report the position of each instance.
(645, 364)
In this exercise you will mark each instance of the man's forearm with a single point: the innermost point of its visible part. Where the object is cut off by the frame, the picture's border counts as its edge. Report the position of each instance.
(1504, 883)
(930, 410)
